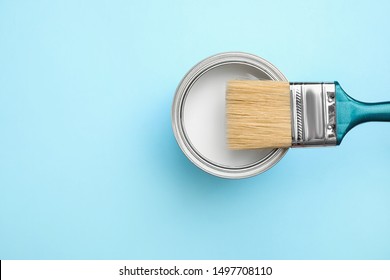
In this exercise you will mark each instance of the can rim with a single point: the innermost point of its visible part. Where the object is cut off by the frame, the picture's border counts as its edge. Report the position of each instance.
(185, 86)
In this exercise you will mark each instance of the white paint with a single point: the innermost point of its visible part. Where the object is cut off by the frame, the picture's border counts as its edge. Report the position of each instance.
(204, 116)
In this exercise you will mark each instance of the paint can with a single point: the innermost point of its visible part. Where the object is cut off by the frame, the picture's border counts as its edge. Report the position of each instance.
(199, 119)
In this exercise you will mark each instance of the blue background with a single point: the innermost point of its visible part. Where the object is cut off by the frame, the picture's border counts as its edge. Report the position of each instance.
(90, 169)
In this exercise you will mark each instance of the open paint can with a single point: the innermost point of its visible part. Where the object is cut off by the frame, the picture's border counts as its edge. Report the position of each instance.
(199, 119)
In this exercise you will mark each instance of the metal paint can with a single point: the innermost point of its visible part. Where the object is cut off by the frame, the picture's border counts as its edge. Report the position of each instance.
(198, 115)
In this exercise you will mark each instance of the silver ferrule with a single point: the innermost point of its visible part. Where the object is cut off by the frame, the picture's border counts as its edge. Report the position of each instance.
(313, 114)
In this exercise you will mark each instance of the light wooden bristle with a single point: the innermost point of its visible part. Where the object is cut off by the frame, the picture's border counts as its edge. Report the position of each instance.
(258, 114)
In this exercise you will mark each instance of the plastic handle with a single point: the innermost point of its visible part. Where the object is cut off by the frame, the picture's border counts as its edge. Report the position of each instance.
(351, 112)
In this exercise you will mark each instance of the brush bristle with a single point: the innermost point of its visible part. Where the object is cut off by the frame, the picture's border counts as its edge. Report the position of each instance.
(258, 114)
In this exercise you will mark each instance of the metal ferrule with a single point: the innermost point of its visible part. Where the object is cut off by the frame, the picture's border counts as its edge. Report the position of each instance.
(313, 114)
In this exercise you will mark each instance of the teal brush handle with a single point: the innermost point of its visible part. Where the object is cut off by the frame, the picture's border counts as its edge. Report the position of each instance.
(351, 112)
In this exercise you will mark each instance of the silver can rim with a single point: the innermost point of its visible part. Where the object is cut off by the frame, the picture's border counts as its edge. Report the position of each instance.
(177, 122)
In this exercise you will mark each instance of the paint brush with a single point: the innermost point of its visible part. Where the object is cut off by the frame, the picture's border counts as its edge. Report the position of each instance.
(274, 114)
